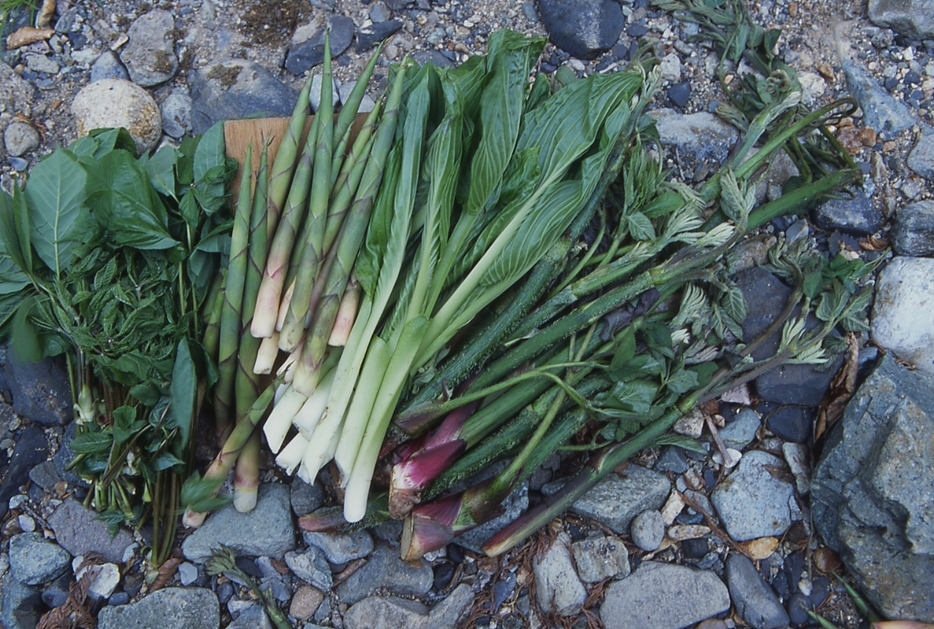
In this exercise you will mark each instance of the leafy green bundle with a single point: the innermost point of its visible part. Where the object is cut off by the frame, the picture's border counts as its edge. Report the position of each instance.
(108, 260)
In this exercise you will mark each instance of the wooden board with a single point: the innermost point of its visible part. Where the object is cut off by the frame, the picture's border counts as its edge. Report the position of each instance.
(238, 134)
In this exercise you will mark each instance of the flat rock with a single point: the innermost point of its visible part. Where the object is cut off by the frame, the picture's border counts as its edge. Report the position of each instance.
(880, 110)
(108, 66)
(170, 608)
(34, 560)
(903, 313)
(921, 157)
(913, 232)
(870, 492)
(305, 602)
(385, 570)
(663, 596)
(740, 432)
(339, 548)
(267, 530)
(149, 56)
(583, 28)
(30, 450)
(305, 498)
(558, 588)
(20, 604)
(753, 500)
(618, 498)
(41, 391)
(700, 136)
(754, 599)
(766, 297)
(20, 138)
(311, 566)
(254, 617)
(390, 612)
(304, 55)
(855, 216)
(117, 103)
(78, 531)
(369, 36)
(600, 558)
(176, 113)
(236, 89)
(912, 18)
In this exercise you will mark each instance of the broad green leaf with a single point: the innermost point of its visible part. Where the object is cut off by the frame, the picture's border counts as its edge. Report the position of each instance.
(625, 351)
(125, 424)
(8, 304)
(185, 167)
(183, 392)
(682, 381)
(125, 203)
(161, 170)
(705, 372)
(167, 460)
(640, 227)
(12, 279)
(112, 140)
(634, 396)
(211, 170)
(24, 340)
(92, 442)
(14, 228)
(189, 209)
(84, 147)
(55, 197)
(146, 393)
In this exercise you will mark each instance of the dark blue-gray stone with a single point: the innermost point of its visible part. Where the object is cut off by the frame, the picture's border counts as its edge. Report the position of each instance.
(755, 601)
(236, 89)
(791, 423)
(31, 449)
(384, 569)
(192, 608)
(680, 93)
(881, 111)
(871, 490)
(20, 604)
(921, 157)
(307, 54)
(108, 66)
(912, 18)
(41, 390)
(369, 36)
(34, 560)
(584, 28)
(913, 232)
(855, 216)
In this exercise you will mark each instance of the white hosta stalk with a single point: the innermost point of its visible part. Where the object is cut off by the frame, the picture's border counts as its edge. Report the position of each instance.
(308, 417)
(266, 354)
(280, 419)
(291, 455)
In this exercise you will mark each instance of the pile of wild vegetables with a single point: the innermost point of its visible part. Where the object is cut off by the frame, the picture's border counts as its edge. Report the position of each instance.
(108, 259)
(492, 269)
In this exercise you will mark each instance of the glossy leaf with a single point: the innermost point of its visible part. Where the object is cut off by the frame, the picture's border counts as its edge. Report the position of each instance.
(161, 170)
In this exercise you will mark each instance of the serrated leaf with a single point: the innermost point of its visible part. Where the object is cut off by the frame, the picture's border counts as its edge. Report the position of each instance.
(634, 396)
(24, 340)
(92, 442)
(55, 197)
(112, 140)
(734, 304)
(640, 227)
(682, 381)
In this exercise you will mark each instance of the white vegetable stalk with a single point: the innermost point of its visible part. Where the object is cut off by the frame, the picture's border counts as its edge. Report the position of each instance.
(308, 417)
(280, 419)
(284, 306)
(291, 455)
(266, 354)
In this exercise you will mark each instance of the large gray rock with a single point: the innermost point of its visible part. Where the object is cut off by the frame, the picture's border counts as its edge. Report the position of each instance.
(385, 570)
(171, 608)
(20, 604)
(116, 103)
(339, 548)
(883, 113)
(150, 54)
(584, 28)
(699, 136)
(913, 232)
(871, 490)
(855, 216)
(903, 316)
(600, 558)
(921, 157)
(389, 612)
(16, 93)
(41, 391)
(663, 596)
(34, 560)
(753, 500)
(305, 54)
(618, 498)
(754, 599)
(913, 18)
(558, 588)
(31, 449)
(236, 89)
(78, 531)
(311, 566)
(20, 138)
(267, 530)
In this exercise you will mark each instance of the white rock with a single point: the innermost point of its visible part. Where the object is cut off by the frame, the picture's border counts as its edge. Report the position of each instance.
(557, 585)
(106, 580)
(118, 103)
(903, 314)
(670, 67)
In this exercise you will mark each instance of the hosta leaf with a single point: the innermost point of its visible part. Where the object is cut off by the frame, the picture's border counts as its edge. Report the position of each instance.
(55, 197)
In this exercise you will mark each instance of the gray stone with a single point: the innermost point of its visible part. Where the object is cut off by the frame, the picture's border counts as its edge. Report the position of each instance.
(314, 98)
(557, 587)
(740, 432)
(339, 548)
(912, 18)
(108, 66)
(266, 530)
(311, 567)
(913, 232)
(176, 113)
(698, 136)
(672, 459)
(902, 316)
(19, 138)
(921, 157)
(16, 93)
(170, 608)
(855, 216)
(754, 599)
(389, 612)
(64, 455)
(663, 596)
(20, 604)
(753, 500)
(34, 560)
(303, 56)
(116, 103)
(43, 64)
(236, 89)
(870, 492)
(187, 573)
(253, 617)
(45, 475)
(583, 28)
(648, 530)
(620, 497)
(305, 498)
(880, 110)
(56, 593)
(366, 105)
(31, 449)
(385, 570)
(41, 391)
(150, 54)
(369, 36)
(766, 296)
(78, 531)
(379, 12)
(600, 558)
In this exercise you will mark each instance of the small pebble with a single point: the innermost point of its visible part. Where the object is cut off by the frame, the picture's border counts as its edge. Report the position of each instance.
(187, 573)
(648, 530)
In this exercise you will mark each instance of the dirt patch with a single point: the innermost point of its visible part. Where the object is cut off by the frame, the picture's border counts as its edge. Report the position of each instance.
(263, 23)
(226, 75)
